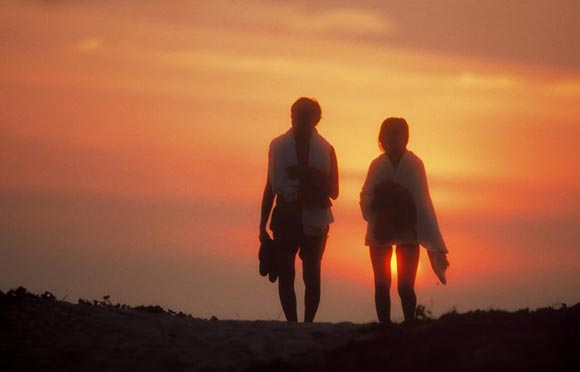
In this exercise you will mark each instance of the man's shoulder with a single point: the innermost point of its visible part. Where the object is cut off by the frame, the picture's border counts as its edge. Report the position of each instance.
(279, 139)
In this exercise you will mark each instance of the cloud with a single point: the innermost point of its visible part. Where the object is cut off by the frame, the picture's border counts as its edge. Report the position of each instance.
(336, 21)
(565, 88)
(474, 80)
(89, 44)
(539, 33)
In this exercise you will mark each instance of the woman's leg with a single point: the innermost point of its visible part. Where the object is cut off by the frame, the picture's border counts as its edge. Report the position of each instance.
(381, 261)
(286, 273)
(407, 263)
(311, 253)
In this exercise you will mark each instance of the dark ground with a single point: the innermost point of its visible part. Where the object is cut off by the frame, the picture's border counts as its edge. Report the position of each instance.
(39, 333)
(543, 340)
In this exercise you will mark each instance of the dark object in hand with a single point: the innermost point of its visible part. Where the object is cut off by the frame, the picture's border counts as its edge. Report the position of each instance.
(296, 171)
(394, 209)
(314, 189)
(267, 257)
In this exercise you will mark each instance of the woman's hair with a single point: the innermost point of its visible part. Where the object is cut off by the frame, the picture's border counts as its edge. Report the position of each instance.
(390, 123)
(309, 106)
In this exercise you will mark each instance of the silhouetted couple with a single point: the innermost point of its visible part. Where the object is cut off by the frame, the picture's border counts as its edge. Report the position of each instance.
(395, 201)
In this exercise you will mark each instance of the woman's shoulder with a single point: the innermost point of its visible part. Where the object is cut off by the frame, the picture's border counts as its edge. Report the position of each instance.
(378, 161)
(413, 158)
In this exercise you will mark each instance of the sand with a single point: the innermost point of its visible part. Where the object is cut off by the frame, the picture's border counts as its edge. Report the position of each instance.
(43, 334)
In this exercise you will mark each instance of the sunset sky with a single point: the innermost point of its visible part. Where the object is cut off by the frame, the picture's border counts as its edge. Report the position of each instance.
(134, 137)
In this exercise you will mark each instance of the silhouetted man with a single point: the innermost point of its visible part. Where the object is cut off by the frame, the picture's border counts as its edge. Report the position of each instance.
(302, 177)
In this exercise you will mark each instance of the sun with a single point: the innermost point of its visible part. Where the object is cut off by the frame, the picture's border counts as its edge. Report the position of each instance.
(394, 265)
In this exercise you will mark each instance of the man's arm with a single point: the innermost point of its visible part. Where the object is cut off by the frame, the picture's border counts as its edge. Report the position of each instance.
(267, 202)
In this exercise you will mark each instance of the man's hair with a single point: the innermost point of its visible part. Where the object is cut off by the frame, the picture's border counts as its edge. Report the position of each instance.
(389, 123)
(309, 106)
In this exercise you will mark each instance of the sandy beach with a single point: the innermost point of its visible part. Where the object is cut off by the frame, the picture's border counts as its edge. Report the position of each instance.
(44, 334)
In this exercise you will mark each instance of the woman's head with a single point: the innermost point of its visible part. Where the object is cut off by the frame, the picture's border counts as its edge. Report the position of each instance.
(306, 113)
(394, 135)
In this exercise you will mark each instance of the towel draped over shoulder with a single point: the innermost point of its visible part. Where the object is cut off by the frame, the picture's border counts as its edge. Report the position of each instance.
(282, 155)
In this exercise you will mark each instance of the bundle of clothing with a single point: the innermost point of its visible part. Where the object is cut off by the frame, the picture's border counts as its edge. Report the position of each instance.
(395, 213)
(267, 259)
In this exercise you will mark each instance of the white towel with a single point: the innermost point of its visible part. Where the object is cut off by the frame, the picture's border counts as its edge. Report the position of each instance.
(282, 154)
(410, 173)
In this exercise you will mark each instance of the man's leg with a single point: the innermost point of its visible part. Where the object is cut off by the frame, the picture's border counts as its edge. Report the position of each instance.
(286, 253)
(407, 263)
(311, 252)
(381, 261)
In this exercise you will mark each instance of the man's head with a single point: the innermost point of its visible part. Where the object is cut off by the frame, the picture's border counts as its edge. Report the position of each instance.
(306, 113)
(394, 135)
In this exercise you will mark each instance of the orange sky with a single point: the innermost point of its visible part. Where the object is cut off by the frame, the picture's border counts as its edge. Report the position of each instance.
(134, 137)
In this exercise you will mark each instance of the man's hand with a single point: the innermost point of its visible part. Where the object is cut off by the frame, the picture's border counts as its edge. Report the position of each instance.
(304, 172)
(296, 171)
(264, 236)
(318, 177)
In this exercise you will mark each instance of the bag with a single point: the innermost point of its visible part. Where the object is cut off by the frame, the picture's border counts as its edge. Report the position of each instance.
(395, 211)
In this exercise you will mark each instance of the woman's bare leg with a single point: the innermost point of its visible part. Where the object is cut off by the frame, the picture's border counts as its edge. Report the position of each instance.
(407, 264)
(381, 261)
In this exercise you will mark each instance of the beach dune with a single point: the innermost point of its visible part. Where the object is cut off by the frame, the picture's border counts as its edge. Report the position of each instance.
(40, 333)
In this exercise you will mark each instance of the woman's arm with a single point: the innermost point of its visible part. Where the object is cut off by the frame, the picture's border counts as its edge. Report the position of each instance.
(333, 192)
(366, 194)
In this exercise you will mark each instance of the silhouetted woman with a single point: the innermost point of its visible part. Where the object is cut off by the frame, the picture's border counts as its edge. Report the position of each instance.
(303, 177)
(395, 202)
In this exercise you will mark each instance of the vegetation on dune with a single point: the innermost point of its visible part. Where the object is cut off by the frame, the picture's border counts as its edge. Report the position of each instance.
(106, 302)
